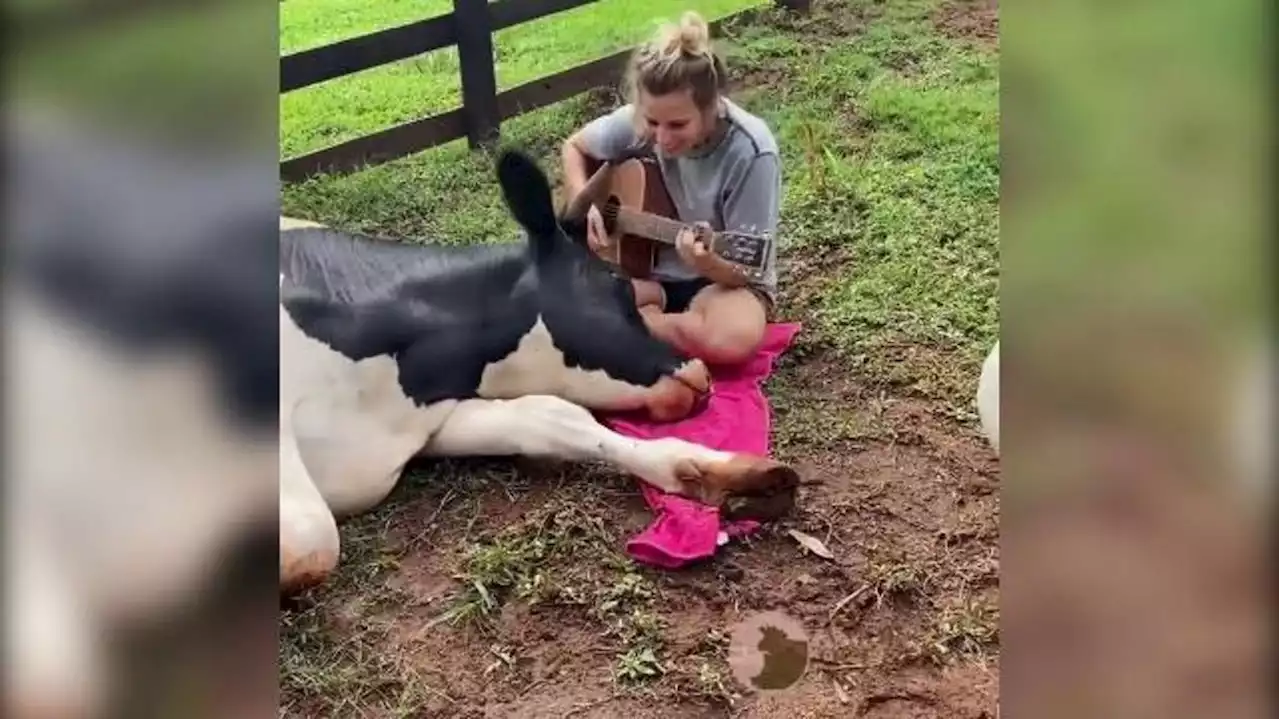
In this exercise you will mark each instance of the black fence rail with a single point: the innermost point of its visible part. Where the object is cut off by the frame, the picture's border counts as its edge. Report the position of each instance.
(470, 27)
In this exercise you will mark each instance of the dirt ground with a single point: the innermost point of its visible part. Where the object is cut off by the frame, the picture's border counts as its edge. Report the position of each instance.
(902, 623)
(972, 19)
(500, 589)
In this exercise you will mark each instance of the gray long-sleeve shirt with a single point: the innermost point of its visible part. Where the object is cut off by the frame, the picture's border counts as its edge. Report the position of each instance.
(735, 185)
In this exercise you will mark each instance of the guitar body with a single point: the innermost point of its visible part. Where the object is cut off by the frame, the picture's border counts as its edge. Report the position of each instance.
(635, 184)
(640, 217)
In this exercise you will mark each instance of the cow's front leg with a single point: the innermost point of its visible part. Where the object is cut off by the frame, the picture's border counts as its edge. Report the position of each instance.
(309, 543)
(545, 426)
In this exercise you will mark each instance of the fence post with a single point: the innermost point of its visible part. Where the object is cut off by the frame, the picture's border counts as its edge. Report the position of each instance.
(475, 59)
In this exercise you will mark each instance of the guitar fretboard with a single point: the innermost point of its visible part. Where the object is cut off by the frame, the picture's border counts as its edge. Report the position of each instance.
(746, 251)
(654, 227)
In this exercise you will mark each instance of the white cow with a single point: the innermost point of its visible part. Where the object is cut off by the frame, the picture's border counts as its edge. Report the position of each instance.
(988, 397)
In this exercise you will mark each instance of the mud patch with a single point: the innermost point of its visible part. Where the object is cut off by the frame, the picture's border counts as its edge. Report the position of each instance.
(977, 20)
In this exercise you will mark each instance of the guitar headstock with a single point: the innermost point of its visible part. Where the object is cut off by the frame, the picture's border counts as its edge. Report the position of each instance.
(751, 251)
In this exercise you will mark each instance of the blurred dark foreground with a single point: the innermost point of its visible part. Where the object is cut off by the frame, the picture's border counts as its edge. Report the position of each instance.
(141, 360)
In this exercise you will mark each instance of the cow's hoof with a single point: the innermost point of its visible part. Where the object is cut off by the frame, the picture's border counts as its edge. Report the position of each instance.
(749, 487)
(761, 508)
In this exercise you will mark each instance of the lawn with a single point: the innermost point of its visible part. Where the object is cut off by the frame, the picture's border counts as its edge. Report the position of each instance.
(352, 106)
(502, 588)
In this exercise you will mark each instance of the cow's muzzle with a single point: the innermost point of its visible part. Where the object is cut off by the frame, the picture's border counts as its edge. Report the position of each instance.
(682, 394)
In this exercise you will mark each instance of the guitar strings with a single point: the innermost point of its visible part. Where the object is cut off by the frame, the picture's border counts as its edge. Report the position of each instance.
(611, 212)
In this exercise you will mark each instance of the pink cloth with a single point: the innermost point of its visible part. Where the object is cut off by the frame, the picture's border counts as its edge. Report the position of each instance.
(735, 419)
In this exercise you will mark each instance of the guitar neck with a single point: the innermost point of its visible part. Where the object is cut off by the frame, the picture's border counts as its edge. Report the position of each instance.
(649, 226)
(747, 252)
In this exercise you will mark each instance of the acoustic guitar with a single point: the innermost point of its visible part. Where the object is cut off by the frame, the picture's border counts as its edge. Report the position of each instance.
(640, 218)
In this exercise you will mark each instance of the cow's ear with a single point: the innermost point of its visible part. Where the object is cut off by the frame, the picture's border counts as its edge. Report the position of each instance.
(528, 196)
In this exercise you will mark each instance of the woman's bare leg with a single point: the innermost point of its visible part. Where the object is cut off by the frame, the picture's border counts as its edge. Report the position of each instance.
(721, 326)
(649, 294)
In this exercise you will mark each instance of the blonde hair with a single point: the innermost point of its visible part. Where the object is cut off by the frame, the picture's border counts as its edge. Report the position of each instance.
(679, 56)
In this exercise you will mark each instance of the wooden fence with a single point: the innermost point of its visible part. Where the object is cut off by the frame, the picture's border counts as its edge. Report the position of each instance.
(470, 27)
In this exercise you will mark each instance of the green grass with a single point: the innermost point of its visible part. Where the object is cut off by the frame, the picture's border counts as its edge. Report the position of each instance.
(531, 561)
(348, 107)
(344, 675)
(166, 74)
(563, 554)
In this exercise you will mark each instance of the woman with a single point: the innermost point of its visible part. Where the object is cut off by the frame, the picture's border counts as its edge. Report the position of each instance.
(720, 165)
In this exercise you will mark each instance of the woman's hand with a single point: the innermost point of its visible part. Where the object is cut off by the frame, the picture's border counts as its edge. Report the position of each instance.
(597, 238)
(694, 247)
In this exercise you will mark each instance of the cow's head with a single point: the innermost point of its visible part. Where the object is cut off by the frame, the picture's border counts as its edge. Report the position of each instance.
(590, 310)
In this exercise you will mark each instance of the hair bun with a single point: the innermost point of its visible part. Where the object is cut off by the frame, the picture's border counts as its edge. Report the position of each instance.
(692, 36)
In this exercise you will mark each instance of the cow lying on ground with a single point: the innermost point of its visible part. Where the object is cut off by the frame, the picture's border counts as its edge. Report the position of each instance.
(391, 351)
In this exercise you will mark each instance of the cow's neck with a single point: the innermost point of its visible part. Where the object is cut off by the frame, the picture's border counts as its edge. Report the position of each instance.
(545, 362)
(538, 366)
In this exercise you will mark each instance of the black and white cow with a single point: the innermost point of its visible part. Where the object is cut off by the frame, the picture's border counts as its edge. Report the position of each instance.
(391, 351)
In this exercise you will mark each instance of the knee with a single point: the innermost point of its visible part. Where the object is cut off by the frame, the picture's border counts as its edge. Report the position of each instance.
(649, 293)
(304, 564)
(309, 547)
(731, 344)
